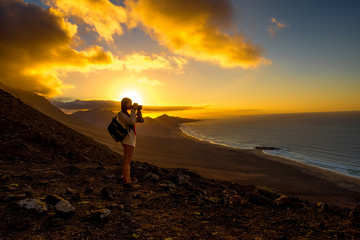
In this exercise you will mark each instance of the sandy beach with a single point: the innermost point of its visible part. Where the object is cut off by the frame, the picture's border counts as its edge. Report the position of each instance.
(161, 142)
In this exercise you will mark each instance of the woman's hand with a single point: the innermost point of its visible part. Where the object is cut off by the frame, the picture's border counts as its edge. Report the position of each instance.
(135, 106)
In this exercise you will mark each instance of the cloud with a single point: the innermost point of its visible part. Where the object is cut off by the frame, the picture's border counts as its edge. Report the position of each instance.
(35, 48)
(151, 82)
(115, 106)
(196, 29)
(276, 26)
(140, 61)
(101, 15)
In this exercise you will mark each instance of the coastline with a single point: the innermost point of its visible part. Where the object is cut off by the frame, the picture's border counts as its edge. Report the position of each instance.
(171, 148)
(335, 168)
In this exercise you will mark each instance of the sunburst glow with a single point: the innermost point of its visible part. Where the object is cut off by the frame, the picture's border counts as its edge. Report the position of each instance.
(133, 95)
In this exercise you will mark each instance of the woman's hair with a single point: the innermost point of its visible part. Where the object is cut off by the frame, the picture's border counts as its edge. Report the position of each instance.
(124, 103)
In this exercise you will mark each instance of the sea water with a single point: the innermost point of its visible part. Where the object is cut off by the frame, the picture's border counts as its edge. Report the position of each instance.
(325, 140)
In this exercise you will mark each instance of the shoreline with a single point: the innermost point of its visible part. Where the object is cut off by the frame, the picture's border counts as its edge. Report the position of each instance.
(165, 145)
(307, 163)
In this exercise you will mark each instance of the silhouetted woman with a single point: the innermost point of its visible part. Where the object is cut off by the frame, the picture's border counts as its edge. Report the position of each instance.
(128, 121)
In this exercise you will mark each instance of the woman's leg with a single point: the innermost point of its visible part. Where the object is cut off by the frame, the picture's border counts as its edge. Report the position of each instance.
(128, 153)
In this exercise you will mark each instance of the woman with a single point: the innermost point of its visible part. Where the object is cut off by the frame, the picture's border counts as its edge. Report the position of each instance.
(128, 121)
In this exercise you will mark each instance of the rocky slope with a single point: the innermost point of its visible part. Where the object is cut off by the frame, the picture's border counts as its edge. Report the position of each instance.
(58, 184)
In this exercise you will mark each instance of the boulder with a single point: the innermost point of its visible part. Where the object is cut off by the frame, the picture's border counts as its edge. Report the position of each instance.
(64, 208)
(33, 204)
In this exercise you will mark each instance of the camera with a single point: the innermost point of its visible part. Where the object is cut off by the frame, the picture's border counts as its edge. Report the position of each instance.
(137, 106)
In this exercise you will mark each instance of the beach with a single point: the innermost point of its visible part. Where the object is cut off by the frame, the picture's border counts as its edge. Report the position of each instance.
(161, 142)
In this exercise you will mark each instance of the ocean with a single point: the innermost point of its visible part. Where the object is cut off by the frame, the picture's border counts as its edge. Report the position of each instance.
(326, 140)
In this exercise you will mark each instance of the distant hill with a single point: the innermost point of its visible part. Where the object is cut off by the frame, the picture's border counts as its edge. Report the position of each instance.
(30, 136)
(97, 117)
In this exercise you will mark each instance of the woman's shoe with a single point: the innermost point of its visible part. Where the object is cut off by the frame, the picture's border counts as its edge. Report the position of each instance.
(131, 186)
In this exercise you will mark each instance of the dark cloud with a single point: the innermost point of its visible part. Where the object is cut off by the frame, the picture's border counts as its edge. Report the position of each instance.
(202, 29)
(35, 46)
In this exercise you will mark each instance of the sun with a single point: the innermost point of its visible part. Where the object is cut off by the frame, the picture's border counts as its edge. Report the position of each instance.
(133, 95)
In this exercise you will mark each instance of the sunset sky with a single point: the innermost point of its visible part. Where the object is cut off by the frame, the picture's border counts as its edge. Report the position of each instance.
(197, 56)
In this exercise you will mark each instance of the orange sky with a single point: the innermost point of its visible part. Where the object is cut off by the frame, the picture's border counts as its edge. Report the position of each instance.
(225, 57)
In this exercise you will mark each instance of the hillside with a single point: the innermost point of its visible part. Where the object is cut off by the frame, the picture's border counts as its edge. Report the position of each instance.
(59, 184)
(42, 105)
(29, 136)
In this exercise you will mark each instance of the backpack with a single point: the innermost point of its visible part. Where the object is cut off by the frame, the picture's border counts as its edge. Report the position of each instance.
(116, 130)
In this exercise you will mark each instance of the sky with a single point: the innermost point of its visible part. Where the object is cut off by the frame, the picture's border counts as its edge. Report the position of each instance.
(200, 58)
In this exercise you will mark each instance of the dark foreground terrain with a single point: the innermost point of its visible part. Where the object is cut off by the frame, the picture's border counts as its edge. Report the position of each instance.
(58, 184)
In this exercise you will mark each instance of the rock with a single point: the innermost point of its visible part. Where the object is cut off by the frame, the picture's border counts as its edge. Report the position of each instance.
(64, 208)
(99, 214)
(33, 204)
(166, 185)
(267, 192)
(267, 148)
(12, 187)
(68, 192)
(152, 177)
(183, 180)
(53, 199)
(114, 206)
(211, 200)
(235, 200)
(134, 235)
(323, 207)
(284, 201)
